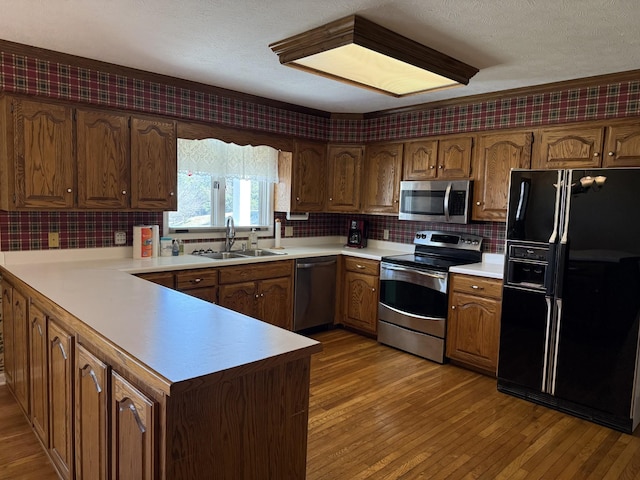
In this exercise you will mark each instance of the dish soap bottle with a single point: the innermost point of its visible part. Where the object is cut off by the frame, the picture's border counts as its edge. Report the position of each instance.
(253, 239)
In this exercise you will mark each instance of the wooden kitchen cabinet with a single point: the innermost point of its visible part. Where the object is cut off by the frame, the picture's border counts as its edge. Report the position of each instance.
(16, 344)
(442, 158)
(382, 174)
(38, 163)
(154, 164)
(302, 178)
(494, 158)
(134, 430)
(473, 324)
(360, 295)
(103, 159)
(201, 283)
(622, 145)
(263, 291)
(570, 147)
(39, 373)
(166, 279)
(61, 406)
(91, 415)
(344, 178)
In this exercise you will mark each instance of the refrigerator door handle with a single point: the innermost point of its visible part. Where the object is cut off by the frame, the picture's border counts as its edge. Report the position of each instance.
(555, 349)
(556, 214)
(567, 206)
(545, 365)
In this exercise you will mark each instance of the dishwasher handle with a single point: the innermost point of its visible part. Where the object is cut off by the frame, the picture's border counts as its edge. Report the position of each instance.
(316, 264)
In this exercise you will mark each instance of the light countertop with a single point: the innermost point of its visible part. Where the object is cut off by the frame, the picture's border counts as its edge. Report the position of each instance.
(492, 266)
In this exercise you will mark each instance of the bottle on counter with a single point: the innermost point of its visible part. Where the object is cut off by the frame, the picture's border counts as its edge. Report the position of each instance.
(175, 250)
(181, 246)
(253, 239)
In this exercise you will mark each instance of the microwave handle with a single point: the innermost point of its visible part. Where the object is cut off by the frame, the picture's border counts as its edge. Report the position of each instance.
(447, 196)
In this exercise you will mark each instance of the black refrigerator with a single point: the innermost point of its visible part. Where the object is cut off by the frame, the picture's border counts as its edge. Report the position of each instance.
(571, 295)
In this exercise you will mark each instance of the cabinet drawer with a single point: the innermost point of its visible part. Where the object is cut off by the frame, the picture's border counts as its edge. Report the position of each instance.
(196, 278)
(361, 265)
(485, 287)
(254, 271)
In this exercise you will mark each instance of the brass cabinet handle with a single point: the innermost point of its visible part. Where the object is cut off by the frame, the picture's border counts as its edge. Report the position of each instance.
(360, 266)
(477, 287)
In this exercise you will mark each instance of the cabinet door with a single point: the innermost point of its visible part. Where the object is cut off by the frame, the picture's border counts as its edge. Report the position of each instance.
(7, 333)
(154, 164)
(133, 432)
(420, 160)
(103, 159)
(360, 306)
(240, 297)
(61, 368)
(382, 171)
(345, 173)
(568, 147)
(276, 302)
(20, 350)
(39, 374)
(473, 333)
(454, 157)
(495, 156)
(622, 147)
(44, 160)
(92, 441)
(309, 176)
(161, 278)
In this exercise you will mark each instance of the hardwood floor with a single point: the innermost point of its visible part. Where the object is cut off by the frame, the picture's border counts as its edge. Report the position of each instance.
(378, 413)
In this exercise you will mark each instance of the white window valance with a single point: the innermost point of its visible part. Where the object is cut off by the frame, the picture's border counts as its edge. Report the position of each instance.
(229, 160)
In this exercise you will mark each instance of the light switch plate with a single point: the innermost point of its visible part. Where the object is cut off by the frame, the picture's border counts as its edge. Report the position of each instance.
(120, 238)
(385, 235)
(288, 231)
(54, 240)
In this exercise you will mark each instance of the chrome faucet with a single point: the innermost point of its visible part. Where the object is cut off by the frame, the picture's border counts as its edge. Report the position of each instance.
(230, 235)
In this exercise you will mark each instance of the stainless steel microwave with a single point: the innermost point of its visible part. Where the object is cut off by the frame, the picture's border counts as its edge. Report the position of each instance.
(447, 201)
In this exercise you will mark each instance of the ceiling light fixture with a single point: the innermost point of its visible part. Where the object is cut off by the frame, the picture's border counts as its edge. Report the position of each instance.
(359, 52)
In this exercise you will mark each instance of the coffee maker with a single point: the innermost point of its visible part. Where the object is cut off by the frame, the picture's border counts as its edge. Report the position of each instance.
(357, 236)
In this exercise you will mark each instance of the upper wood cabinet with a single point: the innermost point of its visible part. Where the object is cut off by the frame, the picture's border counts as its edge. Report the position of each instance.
(302, 178)
(382, 173)
(445, 158)
(344, 179)
(154, 164)
(102, 144)
(622, 145)
(570, 147)
(54, 156)
(37, 163)
(494, 158)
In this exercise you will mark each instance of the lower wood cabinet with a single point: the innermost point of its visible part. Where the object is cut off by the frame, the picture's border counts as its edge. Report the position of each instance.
(92, 409)
(133, 438)
(473, 324)
(201, 283)
(16, 344)
(263, 291)
(61, 366)
(360, 295)
(39, 376)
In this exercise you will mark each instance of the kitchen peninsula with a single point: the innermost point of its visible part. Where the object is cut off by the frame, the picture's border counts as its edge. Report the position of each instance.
(152, 383)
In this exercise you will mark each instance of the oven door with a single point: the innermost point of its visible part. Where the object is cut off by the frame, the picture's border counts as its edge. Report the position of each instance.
(414, 299)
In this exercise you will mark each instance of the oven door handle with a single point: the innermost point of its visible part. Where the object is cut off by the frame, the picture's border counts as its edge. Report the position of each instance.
(412, 315)
(447, 196)
(440, 276)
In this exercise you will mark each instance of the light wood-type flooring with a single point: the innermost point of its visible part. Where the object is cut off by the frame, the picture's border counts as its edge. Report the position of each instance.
(378, 413)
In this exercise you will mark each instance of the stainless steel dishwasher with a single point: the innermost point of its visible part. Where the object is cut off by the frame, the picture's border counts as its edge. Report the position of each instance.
(315, 292)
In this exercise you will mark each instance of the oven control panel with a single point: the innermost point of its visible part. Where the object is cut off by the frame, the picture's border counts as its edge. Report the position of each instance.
(463, 241)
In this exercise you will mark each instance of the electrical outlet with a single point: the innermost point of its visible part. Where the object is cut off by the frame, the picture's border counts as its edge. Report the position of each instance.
(288, 231)
(54, 240)
(385, 235)
(120, 238)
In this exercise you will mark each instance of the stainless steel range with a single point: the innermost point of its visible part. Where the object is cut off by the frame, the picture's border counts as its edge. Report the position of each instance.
(414, 291)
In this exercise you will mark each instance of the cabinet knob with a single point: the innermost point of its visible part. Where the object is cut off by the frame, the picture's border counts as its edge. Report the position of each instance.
(298, 199)
(373, 289)
(453, 307)
(440, 167)
(478, 203)
(431, 167)
(596, 154)
(257, 296)
(69, 190)
(262, 294)
(611, 154)
(171, 194)
(196, 280)
(124, 192)
(477, 287)
(330, 199)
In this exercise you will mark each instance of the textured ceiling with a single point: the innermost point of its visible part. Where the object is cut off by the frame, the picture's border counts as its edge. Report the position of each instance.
(514, 43)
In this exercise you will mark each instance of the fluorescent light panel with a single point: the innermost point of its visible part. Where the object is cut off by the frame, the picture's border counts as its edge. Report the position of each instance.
(360, 52)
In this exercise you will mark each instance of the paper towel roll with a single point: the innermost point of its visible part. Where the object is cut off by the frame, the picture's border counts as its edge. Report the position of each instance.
(278, 230)
(156, 239)
(143, 241)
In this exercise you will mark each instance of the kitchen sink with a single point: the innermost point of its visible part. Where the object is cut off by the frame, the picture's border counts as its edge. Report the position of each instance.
(236, 254)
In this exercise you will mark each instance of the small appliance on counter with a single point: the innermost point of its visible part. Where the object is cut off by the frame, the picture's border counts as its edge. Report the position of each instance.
(357, 236)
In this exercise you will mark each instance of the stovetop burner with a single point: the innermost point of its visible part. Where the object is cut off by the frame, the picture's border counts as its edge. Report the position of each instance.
(439, 251)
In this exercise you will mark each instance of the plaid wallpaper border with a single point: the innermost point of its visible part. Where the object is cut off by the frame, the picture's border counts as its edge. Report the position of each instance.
(22, 74)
